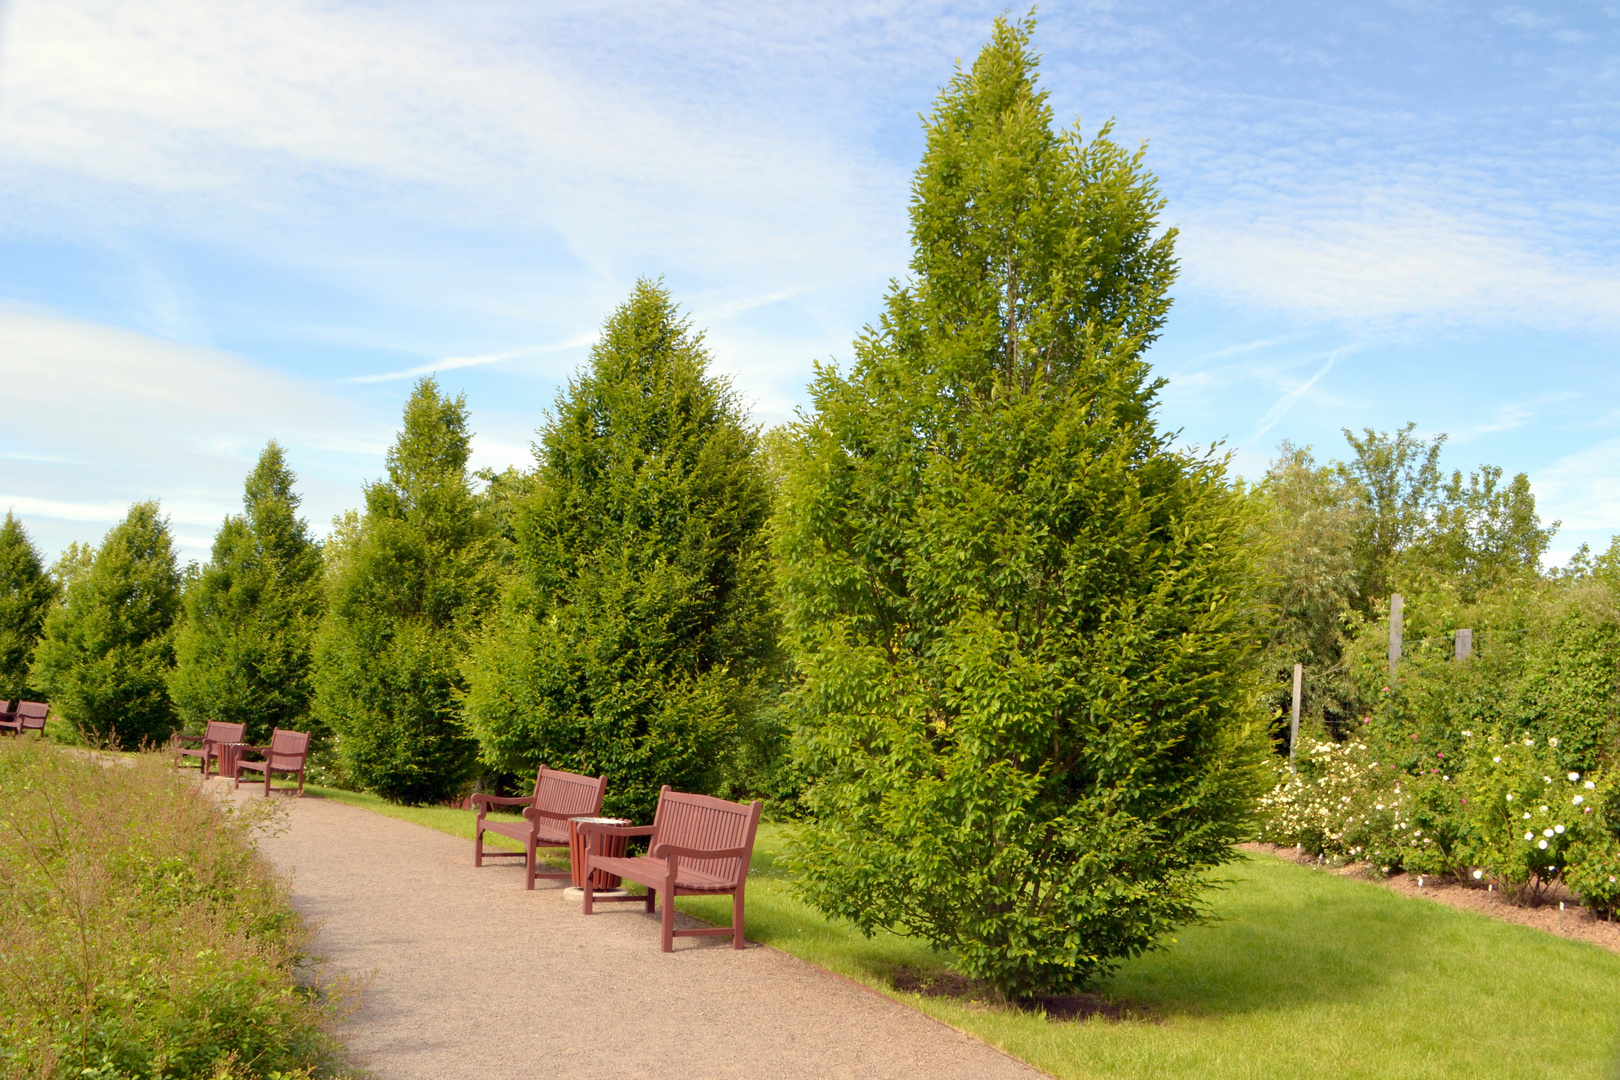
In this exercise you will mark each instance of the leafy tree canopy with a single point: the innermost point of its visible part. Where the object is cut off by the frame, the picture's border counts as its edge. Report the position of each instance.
(635, 629)
(1021, 617)
(26, 595)
(243, 651)
(408, 581)
(107, 649)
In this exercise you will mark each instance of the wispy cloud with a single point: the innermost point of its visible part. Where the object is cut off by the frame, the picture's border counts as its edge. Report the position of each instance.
(1280, 408)
(453, 362)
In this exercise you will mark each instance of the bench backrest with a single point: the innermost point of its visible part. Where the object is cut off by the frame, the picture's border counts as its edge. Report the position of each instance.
(32, 714)
(221, 732)
(568, 793)
(702, 821)
(287, 749)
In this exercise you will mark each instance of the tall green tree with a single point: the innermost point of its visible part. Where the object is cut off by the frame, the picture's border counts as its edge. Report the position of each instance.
(636, 632)
(26, 595)
(1309, 519)
(407, 583)
(243, 650)
(1023, 619)
(1397, 478)
(108, 648)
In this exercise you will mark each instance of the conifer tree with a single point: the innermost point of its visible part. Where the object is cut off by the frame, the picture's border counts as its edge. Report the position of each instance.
(243, 650)
(26, 594)
(407, 582)
(635, 631)
(1021, 616)
(108, 649)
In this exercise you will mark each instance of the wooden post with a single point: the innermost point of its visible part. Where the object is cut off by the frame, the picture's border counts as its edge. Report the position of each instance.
(1293, 726)
(1465, 644)
(1395, 602)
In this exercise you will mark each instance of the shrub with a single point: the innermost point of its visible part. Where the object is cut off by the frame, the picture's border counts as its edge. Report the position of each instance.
(107, 648)
(242, 652)
(143, 937)
(635, 638)
(1021, 616)
(407, 584)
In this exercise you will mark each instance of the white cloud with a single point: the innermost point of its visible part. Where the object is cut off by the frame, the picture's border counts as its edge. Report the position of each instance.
(158, 420)
(1377, 270)
(1582, 489)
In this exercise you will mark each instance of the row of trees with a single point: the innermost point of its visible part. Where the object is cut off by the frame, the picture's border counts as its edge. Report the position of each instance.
(608, 610)
(1004, 643)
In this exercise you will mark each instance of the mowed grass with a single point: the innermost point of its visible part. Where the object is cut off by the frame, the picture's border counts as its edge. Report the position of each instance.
(1303, 974)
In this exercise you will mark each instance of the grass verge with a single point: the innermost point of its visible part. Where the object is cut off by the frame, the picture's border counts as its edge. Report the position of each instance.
(142, 937)
(1303, 975)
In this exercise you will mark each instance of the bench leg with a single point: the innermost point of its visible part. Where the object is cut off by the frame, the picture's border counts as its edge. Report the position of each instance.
(652, 895)
(478, 843)
(533, 857)
(737, 919)
(669, 919)
(589, 892)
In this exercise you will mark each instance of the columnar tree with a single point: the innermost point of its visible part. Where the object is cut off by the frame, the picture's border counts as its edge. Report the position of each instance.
(1021, 616)
(108, 648)
(243, 651)
(407, 581)
(635, 629)
(26, 595)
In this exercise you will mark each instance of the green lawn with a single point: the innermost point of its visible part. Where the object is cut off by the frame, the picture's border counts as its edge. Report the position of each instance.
(1305, 974)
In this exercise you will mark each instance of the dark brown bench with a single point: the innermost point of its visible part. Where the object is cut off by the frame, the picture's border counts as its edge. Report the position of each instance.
(287, 753)
(218, 734)
(697, 845)
(557, 797)
(24, 716)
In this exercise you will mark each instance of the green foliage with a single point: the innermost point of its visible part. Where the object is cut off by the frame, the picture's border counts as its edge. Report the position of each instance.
(1021, 618)
(243, 651)
(635, 637)
(26, 594)
(144, 939)
(1308, 520)
(407, 583)
(107, 649)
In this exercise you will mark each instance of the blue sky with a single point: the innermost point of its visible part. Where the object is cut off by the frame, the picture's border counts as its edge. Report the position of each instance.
(223, 223)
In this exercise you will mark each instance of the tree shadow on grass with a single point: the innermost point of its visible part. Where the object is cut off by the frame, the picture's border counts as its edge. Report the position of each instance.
(1284, 936)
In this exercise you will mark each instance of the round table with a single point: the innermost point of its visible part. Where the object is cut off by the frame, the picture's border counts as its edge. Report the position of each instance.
(612, 846)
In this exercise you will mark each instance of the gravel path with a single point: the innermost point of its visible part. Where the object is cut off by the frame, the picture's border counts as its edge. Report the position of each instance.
(475, 977)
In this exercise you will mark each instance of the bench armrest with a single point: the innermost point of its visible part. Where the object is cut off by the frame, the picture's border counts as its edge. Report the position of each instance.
(483, 802)
(180, 737)
(666, 850)
(556, 815)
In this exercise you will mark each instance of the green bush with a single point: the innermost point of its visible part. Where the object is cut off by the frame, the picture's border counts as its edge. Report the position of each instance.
(107, 649)
(243, 650)
(407, 583)
(1029, 703)
(143, 938)
(635, 638)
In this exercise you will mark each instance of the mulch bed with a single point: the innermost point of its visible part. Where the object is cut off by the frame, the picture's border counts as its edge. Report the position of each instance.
(1573, 922)
(948, 984)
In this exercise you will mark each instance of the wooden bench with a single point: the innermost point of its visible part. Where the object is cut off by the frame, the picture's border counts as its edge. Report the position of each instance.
(557, 797)
(217, 735)
(697, 845)
(24, 716)
(287, 753)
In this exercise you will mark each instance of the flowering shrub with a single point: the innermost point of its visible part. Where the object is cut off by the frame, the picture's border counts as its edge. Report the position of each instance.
(1521, 813)
(1501, 804)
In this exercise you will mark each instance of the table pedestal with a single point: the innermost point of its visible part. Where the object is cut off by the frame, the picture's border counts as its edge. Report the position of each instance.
(612, 846)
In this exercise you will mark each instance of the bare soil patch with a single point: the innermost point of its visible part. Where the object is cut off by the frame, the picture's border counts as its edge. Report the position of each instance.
(948, 984)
